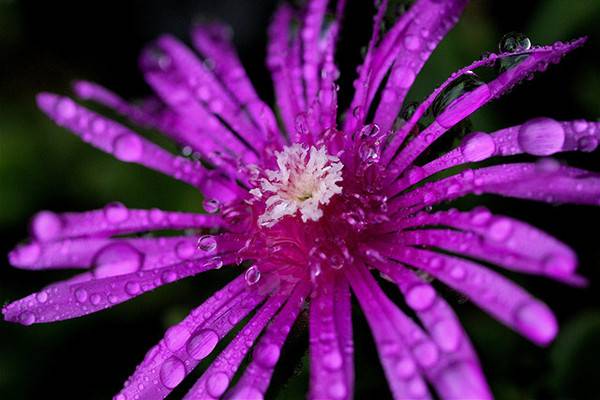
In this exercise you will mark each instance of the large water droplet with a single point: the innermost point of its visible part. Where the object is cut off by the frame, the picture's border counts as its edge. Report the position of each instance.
(176, 336)
(477, 146)
(536, 321)
(46, 225)
(185, 249)
(337, 390)
(207, 243)
(541, 136)
(405, 367)
(446, 334)
(27, 318)
(172, 372)
(267, 355)
(453, 91)
(81, 295)
(66, 108)
(420, 297)
(217, 384)
(332, 360)
(202, 344)
(500, 230)
(117, 259)
(252, 275)
(211, 206)
(426, 354)
(116, 212)
(514, 41)
(403, 77)
(128, 147)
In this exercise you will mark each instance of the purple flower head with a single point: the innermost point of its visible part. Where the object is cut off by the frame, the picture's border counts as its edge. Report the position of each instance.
(315, 203)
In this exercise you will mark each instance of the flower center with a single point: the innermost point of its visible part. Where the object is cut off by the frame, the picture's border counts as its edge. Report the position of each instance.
(306, 179)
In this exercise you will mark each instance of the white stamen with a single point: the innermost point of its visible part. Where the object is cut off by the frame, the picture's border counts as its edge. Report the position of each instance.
(299, 184)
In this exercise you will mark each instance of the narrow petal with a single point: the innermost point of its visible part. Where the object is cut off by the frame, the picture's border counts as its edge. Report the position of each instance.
(255, 380)
(283, 60)
(458, 374)
(539, 137)
(74, 298)
(429, 23)
(331, 347)
(193, 339)
(537, 59)
(495, 294)
(115, 219)
(214, 42)
(557, 184)
(128, 146)
(216, 379)
(399, 341)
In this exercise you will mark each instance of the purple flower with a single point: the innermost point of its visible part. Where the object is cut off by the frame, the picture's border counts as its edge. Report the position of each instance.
(313, 205)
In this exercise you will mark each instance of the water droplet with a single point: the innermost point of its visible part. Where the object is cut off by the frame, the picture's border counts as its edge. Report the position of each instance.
(536, 321)
(403, 77)
(116, 212)
(500, 230)
(207, 243)
(168, 277)
(446, 334)
(202, 344)
(185, 249)
(426, 354)
(412, 42)
(247, 393)
(420, 297)
(514, 41)
(405, 367)
(46, 225)
(27, 318)
(95, 299)
(267, 355)
(42, 297)
(117, 259)
(541, 137)
(215, 262)
(132, 288)
(559, 265)
(128, 147)
(81, 295)
(337, 390)
(477, 146)
(66, 108)
(211, 206)
(217, 384)
(457, 272)
(176, 336)
(172, 372)
(333, 360)
(587, 143)
(156, 215)
(459, 86)
(252, 275)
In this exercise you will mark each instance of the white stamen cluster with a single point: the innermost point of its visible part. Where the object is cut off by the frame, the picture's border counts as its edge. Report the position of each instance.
(306, 179)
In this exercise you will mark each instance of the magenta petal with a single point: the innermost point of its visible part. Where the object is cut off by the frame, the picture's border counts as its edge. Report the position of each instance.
(115, 219)
(216, 379)
(497, 295)
(187, 343)
(403, 348)
(331, 348)
(74, 298)
(457, 356)
(538, 58)
(214, 42)
(412, 47)
(257, 375)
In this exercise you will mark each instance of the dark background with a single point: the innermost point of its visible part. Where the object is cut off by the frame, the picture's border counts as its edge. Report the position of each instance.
(44, 45)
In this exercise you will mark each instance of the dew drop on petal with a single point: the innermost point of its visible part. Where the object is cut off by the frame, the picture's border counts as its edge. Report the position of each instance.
(420, 297)
(185, 249)
(405, 367)
(541, 137)
(211, 206)
(132, 288)
(337, 390)
(46, 225)
(202, 344)
(81, 295)
(176, 336)
(117, 259)
(116, 212)
(95, 299)
(252, 275)
(66, 108)
(128, 147)
(172, 372)
(27, 318)
(332, 360)
(217, 384)
(500, 230)
(477, 146)
(446, 334)
(404, 77)
(426, 354)
(267, 355)
(559, 265)
(247, 393)
(536, 321)
(207, 243)
(42, 297)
